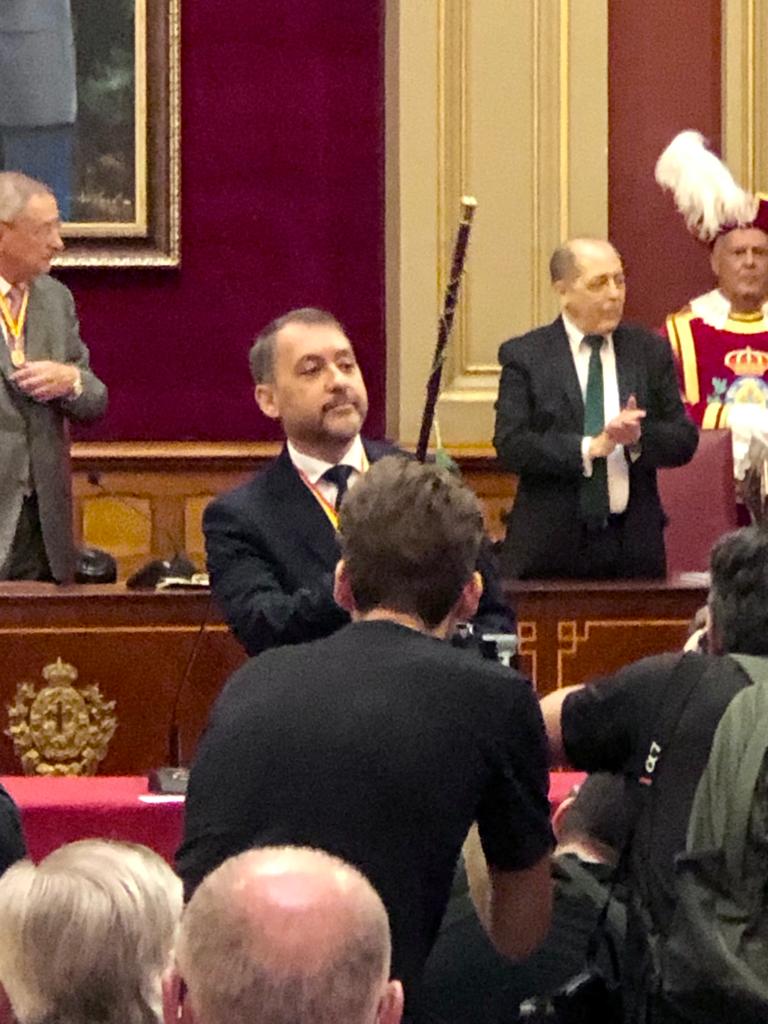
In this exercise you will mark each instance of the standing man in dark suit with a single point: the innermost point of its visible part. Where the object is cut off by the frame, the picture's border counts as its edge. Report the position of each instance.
(272, 543)
(588, 409)
(44, 381)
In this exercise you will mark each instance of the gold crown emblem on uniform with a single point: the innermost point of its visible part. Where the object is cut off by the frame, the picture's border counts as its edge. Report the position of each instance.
(60, 729)
(747, 362)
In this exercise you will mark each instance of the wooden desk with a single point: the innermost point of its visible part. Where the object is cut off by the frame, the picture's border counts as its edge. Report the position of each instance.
(134, 644)
(572, 631)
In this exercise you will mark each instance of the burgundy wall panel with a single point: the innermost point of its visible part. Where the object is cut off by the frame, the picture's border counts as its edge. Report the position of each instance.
(282, 206)
(664, 76)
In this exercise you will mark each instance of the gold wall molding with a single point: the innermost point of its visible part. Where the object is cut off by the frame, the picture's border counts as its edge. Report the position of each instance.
(572, 635)
(745, 90)
(506, 101)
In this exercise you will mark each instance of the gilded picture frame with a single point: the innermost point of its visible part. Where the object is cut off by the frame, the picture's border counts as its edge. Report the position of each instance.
(126, 190)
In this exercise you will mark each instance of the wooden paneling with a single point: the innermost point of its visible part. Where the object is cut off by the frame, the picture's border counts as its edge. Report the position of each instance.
(574, 631)
(135, 646)
(147, 501)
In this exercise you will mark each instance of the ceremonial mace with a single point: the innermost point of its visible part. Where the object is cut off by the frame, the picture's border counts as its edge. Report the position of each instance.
(468, 207)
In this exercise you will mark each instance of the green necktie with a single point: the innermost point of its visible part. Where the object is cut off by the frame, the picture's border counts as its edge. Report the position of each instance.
(594, 489)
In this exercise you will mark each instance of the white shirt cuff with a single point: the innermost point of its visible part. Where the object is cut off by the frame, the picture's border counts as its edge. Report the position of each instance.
(586, 461)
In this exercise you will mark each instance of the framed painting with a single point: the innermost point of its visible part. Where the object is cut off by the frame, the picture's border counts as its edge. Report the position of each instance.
(90, 104)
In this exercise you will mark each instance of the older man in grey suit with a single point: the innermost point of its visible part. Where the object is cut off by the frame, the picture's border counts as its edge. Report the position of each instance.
(44, 381)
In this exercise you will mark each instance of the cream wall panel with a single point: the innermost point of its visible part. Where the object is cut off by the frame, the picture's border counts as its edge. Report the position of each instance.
(506, 101)
(745, 91)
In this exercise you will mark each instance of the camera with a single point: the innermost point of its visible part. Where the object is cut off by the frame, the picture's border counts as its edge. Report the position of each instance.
(584, 999)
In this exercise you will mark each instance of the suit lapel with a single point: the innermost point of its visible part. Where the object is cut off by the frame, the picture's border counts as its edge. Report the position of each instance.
(295, 506)
(561, 359)
(626, 366)
(34, 332)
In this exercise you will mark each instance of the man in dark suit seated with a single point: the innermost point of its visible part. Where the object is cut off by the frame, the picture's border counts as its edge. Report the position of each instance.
(272, 543)
(588, 410)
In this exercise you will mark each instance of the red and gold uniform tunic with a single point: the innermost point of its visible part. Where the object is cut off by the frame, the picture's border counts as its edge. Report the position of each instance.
(722, 359)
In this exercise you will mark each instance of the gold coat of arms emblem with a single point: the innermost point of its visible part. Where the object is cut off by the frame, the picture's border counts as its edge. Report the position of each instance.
(61, 729)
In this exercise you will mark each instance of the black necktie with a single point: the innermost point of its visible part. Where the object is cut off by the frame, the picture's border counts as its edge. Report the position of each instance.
(339, 475)
(594, 489)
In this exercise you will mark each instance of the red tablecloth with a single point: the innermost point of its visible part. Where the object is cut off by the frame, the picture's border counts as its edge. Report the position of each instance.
(561, 784)
(56, 811)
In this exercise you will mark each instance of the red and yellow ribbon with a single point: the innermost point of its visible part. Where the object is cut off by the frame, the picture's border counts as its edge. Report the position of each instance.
(325, 505)
(15, 327)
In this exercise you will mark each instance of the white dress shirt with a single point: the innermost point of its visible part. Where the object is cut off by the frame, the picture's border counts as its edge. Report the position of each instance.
(618, 469)
(313, 468)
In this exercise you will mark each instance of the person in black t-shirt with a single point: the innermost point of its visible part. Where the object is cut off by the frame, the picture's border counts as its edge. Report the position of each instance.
(382, 743)
(466, 981)
(609, 725)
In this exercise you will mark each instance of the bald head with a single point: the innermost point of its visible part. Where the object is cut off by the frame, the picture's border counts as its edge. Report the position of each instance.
(286, 934)
(588, 276)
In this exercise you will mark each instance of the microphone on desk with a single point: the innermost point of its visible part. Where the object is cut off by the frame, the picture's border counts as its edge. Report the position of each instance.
(158, 570)
(174, 777)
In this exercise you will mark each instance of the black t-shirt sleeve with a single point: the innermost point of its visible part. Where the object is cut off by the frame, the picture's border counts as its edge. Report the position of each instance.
(603, 722)
(513, 816)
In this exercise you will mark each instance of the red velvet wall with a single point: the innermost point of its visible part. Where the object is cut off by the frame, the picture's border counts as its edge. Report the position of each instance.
(282, 206)
(283, 201)
(664, 76)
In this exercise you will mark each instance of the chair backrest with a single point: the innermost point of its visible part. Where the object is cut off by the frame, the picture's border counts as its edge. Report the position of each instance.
(700, 501)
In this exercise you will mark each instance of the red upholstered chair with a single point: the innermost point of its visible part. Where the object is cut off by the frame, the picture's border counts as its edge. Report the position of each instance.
(700, 500)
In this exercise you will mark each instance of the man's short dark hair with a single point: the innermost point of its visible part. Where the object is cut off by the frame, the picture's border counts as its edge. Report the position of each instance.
(599, 814)
(562, 263)
(262, 354)
(410, 536)
(738, 596)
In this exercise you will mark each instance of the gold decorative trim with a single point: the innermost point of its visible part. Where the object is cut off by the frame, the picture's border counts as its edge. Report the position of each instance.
(60, 729)
(75, 630)
(158, 27)
(570, 636)
(527, 637)
(744, 64)
(687, 352)
(463, 81)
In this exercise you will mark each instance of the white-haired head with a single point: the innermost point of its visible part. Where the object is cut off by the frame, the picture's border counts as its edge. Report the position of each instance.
(87, 934)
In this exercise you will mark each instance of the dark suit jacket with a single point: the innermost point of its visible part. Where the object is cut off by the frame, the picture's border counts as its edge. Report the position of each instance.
(539, 428)
(271, 553)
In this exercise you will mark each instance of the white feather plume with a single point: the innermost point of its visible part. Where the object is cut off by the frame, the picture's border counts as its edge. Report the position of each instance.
(703, 187)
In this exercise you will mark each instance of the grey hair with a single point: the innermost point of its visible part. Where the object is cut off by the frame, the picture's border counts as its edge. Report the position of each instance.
(562, 263)
(87, 934)
(243, 958)
(16, 190)
(262, 354)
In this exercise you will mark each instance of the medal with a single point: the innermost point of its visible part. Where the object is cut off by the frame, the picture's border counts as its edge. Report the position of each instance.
(14, 327)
